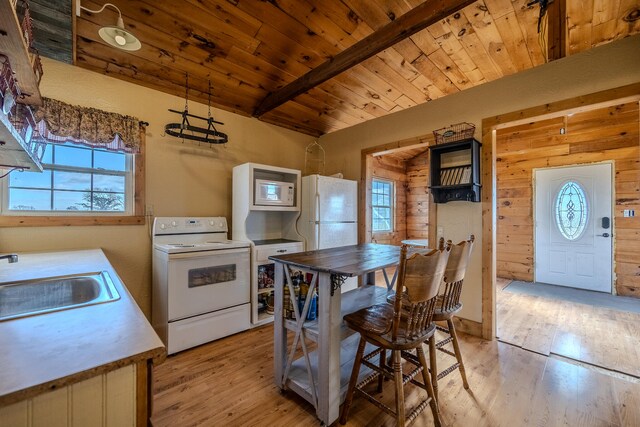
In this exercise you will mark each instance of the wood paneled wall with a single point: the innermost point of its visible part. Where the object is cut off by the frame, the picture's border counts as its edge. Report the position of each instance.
(593, 136)
(418, 196)
(392, 169)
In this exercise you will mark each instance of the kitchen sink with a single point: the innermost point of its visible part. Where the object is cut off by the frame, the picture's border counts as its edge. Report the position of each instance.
(39, 296)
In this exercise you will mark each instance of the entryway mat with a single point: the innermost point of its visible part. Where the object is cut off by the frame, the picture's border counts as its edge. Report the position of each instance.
(596, 299)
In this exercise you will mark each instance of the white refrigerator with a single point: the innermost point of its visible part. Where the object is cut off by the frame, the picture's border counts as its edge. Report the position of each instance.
(329, 216)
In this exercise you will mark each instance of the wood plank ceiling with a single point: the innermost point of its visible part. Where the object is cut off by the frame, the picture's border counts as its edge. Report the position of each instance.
(251, 48)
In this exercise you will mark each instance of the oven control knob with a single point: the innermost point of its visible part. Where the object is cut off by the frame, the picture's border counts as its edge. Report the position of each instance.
(162, 226)
(211, 222)
(174, 224)
(220, 225)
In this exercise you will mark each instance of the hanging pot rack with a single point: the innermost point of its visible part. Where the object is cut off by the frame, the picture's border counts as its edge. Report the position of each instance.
(187, 131)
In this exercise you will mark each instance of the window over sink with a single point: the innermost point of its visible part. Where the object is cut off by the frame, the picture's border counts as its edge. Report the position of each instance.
(93, 171)
(75, 180)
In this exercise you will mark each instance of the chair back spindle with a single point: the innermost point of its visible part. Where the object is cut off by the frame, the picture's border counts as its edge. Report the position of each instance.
(419, 279)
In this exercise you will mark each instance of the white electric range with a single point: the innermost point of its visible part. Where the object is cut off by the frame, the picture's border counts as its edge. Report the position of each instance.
(201, 281)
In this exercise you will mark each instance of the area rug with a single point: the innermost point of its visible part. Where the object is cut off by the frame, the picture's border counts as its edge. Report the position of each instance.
(596, 299)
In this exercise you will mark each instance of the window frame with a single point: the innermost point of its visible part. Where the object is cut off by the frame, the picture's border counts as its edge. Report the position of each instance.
(134, 216)
(391, 205)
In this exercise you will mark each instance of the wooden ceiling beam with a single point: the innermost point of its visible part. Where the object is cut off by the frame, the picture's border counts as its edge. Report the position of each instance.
(408, 24)
(556, 30)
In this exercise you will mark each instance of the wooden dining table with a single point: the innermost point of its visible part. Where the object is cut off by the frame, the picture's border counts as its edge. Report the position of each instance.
(320, 375)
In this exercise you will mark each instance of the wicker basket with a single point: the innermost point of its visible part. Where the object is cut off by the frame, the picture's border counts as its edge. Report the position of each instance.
(26, 24)
(22, 119)
(453, 133)
(7, 81)
(36, 64)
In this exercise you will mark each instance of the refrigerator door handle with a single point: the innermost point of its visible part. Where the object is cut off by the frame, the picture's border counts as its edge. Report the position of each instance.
(318, 220)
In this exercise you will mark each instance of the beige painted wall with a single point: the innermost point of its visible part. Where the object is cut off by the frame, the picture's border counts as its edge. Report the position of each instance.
(181, 179)
(605, 67)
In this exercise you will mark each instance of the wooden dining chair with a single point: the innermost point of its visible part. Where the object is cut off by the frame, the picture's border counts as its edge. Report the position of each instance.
(447, 305)
(400, 328)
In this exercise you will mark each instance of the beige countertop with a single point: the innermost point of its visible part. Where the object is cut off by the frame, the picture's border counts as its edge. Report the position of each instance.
(48, 351)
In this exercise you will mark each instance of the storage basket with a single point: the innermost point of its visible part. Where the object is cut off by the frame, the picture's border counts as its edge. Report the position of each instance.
(36, 64)
(27, 25)
(453, 133)
(7, 81)
(22, 119)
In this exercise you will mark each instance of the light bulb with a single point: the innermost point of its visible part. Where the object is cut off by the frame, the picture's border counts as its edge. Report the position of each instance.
(120, 40)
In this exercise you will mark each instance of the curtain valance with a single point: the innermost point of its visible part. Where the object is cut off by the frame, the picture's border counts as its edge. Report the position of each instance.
(61, 122)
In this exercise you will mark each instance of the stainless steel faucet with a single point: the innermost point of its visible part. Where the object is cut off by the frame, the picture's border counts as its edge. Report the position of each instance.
(11, 257)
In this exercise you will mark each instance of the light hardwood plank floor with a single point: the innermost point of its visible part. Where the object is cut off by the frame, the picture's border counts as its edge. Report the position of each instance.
(230, 383)
(598, 336)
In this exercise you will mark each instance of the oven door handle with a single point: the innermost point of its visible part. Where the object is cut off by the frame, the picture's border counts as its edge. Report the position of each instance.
(202, 254)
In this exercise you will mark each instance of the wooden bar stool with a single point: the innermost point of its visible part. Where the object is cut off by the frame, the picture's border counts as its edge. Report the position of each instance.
(401, 328)
(448, 304)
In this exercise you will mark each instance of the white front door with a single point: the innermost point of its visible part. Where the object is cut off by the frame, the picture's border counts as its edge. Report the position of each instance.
(573, 227)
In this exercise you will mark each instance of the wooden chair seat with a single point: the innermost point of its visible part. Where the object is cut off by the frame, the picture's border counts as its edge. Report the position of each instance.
(375, 324)
(445, 314)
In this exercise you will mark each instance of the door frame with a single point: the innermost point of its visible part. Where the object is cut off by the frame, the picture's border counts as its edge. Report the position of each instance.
(606, 98)
(612, 217)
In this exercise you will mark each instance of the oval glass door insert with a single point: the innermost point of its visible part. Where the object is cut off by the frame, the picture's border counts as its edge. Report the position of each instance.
(571, 210)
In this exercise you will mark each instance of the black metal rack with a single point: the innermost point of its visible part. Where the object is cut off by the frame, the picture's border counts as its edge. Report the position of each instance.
(455, 171)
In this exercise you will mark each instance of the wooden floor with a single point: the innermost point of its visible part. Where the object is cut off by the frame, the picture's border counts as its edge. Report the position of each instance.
(230, 383)
(595, 335)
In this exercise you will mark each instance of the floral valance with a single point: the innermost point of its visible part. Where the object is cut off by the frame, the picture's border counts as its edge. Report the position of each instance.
(61, 122)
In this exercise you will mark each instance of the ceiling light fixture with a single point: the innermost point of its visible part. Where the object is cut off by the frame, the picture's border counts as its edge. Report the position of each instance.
(115, 35)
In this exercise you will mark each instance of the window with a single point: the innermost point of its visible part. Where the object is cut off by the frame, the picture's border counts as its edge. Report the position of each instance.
(571, 210)
(79, 185)
(382, 205)
(75, 179)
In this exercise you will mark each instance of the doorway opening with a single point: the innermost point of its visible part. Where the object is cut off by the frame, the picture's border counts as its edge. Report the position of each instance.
(397, 204)
(394, 194)
(566, 258)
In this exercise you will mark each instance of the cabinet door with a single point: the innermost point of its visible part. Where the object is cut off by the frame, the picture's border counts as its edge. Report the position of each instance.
(105, 400)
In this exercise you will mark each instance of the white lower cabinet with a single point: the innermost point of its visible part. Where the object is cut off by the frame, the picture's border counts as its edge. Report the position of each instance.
(104, 400)
(262, 278)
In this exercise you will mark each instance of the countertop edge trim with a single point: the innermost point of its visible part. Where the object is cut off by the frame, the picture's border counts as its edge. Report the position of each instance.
(156, 355)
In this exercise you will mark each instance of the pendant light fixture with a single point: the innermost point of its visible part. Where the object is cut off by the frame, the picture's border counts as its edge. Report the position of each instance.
(115, 35)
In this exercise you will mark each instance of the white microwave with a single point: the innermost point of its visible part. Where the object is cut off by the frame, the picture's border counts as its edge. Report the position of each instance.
(273, 193)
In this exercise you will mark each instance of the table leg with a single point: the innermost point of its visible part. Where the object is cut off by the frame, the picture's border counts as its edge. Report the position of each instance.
(370, 278)
(329, 323)
(279, 332)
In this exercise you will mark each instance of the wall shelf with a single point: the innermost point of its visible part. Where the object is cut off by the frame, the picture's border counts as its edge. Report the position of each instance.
(14, 151)
(13, 45)
(455, 171)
